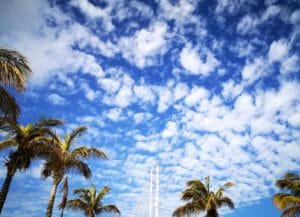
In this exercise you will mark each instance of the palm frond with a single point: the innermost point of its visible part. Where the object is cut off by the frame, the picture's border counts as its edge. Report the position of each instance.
(225, 201)
(8, 143)
(78, 205)
(188, 209)
(79, 166)
(10, 126)
(8, 105)
(291, 212)
(14, 69)
(290, 181)
(221, 190)
(196, 189)
(102, 194)
(77, 132)
(113, 209)
(283, 200)
(88, 152)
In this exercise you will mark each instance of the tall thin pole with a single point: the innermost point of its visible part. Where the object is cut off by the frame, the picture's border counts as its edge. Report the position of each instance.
(156, 201)
(150, 194)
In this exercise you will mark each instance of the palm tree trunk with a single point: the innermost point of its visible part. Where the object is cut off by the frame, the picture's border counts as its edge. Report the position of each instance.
(212, 213)
(6, 186)
(52, 198)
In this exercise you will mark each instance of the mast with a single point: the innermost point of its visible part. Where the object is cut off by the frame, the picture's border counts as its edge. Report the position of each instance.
(150, 194)
(156, 200)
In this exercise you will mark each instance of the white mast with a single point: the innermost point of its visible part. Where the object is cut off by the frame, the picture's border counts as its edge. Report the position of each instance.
(156, 201)
(150, 195)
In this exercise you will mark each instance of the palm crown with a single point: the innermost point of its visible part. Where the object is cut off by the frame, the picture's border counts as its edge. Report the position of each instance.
(63, 159)
(90, 203)
(201, 199)
(289, 203)
(30, 141)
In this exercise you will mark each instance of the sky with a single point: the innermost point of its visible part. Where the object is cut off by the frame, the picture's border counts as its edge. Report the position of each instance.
(200, 88)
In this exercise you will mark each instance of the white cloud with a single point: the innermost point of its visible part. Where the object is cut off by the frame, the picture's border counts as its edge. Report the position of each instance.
(170, 130)
(144, 93)
(231, 90)
(246, 24)
(191, 61)
(114, 114)
(164, 99)
(270, 12)
(142, 48)
(109, 85)
(181, 12)
(141, 117)
(147, 146)
(290, 65)
(278, 50)
(295, 17)
(95, 12)
(123, 97)
(180, 91)
(253, 70)
(90, 94)
(196, 96)
(57, 99)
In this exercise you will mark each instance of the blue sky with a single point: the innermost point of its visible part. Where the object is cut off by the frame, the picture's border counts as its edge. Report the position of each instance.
(199, 87)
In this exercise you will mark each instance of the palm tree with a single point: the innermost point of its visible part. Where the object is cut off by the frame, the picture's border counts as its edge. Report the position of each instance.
(90, 203)
(29, 141)
(289, 203)
(14, 70)
(201, 199)
(63, 160)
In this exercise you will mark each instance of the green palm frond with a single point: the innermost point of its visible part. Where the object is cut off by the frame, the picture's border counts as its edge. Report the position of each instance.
(8, 105)
(8, 143)
(291, 212)
(49, 122)
(102, 194)
(10, 126)
(291, 182)
(77, 132)
(188, 209)
(78, 205)
(221, 190)
(14, 69)
(79, 166)
(195, 190)
(283, 200)
(108, 209)
(225, 201)
(87, 153)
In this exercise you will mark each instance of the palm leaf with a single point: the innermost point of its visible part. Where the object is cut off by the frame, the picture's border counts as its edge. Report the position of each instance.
(225, 201)
(88, 152)
(14, 69)
(79, 166)
(8, 143)
(78, 205)
(77, 132)
(283, 200)
(108, 209)
(8, 105)
(291, 212)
